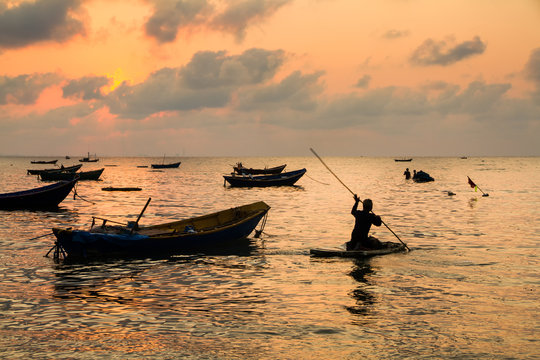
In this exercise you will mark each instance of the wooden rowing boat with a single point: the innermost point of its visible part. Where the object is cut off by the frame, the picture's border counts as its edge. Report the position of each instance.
(389, 247)
(45, 197)
(240, 169)
(221, 228)
(283, 179)
(63, 175)
(73, 168)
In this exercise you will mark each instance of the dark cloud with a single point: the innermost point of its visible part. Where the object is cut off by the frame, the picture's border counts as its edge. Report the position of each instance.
(42, 20)
(363, 82)
(24, 89)
(395, 34)
(234, 17)
(532, 68)
(297, 92)
(207, 81)
(241, 14)
(86, 88)
(433, 52)
(168, 18)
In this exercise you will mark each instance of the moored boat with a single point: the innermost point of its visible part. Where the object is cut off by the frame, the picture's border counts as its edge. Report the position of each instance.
(45, 197)
(403, 160)
(221, 228)
(67, 175)
(283, 179)
(240, 169)
(89, 159)
(166, 166)
(389, 247)
(43, 161)
(73, 168)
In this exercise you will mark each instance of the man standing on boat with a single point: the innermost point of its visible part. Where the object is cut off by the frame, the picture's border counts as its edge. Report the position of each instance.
(363, 220)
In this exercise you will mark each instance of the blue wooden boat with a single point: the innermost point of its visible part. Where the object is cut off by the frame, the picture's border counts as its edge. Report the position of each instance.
(219, 229)
(166, 166)
(45, 197)
(283, 179)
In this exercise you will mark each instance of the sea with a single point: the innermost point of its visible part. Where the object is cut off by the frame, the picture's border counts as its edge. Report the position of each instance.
(467, 289)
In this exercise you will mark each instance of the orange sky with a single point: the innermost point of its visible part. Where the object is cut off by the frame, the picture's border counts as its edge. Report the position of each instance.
(343, 65)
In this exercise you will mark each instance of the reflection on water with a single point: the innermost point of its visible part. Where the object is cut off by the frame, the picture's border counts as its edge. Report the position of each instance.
(469, 288)
(364, 299)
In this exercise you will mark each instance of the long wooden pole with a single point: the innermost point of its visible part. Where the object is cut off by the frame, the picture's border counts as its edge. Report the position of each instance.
(342, 183)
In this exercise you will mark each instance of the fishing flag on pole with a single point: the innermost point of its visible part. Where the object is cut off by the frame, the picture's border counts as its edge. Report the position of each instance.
(473, 185)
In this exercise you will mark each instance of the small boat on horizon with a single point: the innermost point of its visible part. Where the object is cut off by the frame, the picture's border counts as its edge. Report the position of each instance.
(403, 160)
(166, 166)
(89, 159)
(43, 161)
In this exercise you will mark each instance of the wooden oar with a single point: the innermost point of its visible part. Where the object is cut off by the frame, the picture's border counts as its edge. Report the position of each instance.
(346, 187)
(136, 225)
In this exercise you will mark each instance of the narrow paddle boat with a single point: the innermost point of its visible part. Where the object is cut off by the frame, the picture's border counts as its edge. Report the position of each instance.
(388, 248)
(219, 229)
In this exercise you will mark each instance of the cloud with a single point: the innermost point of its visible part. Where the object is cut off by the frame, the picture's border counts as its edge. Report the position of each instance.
(296, 92)
(233, 16)
(532, 68)
(363, 82)
(242, 13)
(443, 53)
(169, 17)
(207, 81)
(39, 21)
(395, 34)
(86, 88)
(24, 89)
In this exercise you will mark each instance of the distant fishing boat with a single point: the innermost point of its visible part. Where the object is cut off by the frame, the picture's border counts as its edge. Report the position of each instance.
(222, 228)
(403, 160)
(166, 166)
(45, 197)
(89, 159)
(43, 161)
(283, 179)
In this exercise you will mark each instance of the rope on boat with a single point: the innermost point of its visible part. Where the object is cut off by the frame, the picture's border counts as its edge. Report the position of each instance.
(263, 224)
(80, 197)
(320, 182)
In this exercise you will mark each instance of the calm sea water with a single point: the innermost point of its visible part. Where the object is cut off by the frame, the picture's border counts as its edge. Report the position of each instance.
(469, 289)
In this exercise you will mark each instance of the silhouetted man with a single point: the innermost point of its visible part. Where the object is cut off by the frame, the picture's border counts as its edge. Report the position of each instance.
(363, 220)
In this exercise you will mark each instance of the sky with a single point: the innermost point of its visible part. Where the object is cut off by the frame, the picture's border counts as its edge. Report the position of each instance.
(270, 77)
